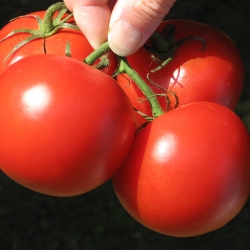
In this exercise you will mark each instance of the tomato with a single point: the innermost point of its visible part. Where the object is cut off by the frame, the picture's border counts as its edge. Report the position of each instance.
(65, 127)
(215, 74)
(55, 44)
(188, 171)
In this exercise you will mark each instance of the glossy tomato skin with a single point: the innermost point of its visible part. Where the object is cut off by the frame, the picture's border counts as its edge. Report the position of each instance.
(65, 127)
(55, 44)
(188, 171)
(215, 74)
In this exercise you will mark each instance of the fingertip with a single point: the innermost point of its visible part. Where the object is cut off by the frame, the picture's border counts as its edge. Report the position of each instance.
(69, 4)
(124, 38)
(95, 30)
(133, 22)
(97, 42)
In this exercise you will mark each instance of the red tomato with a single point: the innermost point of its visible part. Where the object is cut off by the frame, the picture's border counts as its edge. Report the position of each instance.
(55, 44)
(188, 171)
(215, 74)
(65, 127)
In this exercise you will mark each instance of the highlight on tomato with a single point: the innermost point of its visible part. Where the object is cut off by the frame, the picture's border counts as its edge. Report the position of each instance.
(65, 127)
(203, 65)
(188, 171)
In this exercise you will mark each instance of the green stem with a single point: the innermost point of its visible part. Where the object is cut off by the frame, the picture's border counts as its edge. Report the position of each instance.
(97, 53)
(159, 42)
(147, 91)
(48, 24)
(124, 67)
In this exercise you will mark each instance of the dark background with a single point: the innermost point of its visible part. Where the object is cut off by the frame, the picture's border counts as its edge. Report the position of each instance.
(96, 220)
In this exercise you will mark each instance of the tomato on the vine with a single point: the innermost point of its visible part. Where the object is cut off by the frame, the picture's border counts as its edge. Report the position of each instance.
(188, 171)
(65, 127)
(55, 44)
(198, 72)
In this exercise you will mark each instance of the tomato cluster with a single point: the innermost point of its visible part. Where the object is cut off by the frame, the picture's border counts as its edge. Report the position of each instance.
(181, 168)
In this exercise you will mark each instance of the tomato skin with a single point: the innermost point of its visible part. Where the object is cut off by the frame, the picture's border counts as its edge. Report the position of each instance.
(188, 171)
(55, 44)
(215, 74)
(65, 127)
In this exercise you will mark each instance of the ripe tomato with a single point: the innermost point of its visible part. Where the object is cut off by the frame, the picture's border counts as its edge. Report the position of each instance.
(65, 127)
(215, 74)
(188, 171)
(55, 44)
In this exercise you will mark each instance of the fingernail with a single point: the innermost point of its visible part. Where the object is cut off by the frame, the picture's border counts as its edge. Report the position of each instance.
(124, 38)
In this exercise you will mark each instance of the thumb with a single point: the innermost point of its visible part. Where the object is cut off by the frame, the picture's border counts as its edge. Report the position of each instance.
(133, 22)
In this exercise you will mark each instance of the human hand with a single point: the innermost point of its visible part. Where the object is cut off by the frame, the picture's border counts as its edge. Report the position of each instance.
(126, 24)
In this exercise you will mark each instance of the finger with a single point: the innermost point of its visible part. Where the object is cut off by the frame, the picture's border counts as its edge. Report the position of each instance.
(92, 17)
(133, 22)
(69, 4)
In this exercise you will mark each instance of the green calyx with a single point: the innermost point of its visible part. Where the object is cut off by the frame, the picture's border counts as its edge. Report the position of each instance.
(46, 27)
(163, 45)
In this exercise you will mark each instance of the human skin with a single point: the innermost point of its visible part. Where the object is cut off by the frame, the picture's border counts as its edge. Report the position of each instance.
(126, 24)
